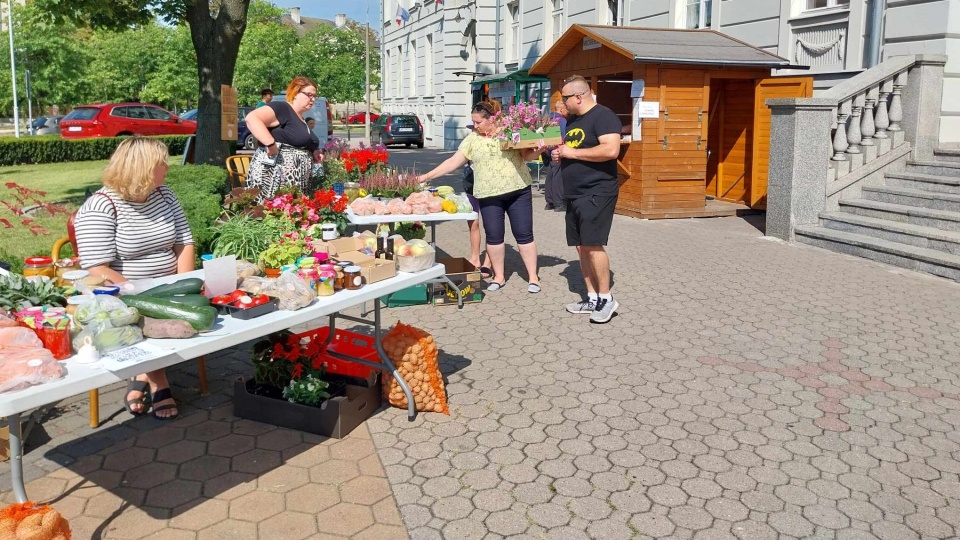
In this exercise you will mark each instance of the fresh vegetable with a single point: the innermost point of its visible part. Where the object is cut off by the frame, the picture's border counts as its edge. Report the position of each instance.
(165, 329)
(228, 299)
(189, 299)
(183, 286)
(111, 339)
(123, 317)
(199, 317)
(16, 293)
(245, 302)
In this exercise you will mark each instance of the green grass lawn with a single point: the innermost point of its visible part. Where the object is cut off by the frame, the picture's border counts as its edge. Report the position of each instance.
(65, 182)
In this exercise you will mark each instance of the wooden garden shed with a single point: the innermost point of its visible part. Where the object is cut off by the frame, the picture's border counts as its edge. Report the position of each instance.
(692, 102)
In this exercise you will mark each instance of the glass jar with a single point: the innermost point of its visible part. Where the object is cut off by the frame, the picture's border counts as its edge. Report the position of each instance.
(75, 302)
(351, 191)
(309, 275)
(352, 280)
(326, 282)
(329, 231)
(74, 277)
(39, 266)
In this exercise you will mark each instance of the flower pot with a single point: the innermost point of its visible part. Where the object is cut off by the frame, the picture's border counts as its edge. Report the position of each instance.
(271, 272)
(527, 138)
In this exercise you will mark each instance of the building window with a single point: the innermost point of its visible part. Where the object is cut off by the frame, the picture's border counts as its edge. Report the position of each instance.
(555, 20)
(399, 81)
(821, 4)
(513, 39)
(386, 74)
(412, 66)
(613, 13)
(698, 13)
(428, 66)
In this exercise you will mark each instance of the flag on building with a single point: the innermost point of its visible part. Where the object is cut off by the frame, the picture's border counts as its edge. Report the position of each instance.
(439, 2)
(402, 15)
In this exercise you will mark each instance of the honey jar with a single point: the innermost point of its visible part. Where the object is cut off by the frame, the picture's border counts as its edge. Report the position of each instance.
(352, 280)
(39, 266)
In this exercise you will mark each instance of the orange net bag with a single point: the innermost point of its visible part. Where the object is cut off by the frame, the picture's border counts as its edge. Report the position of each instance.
(31, 521)
(414, 354)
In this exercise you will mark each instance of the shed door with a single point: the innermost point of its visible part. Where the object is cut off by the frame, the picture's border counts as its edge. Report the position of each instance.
(775, 87)
(682, 135)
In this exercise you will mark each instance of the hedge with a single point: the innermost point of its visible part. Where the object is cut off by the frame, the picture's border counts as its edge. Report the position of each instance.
(34, 150)
(200, 189)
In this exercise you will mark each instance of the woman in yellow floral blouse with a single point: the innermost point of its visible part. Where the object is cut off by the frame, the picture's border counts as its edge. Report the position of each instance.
(502, 185)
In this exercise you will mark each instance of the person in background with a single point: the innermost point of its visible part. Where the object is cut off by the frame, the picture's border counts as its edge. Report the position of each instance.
(311, 123)
(266, 96)
(134, 228)
(588, 164)
(502, 186)
(287, 145)
(554, 192)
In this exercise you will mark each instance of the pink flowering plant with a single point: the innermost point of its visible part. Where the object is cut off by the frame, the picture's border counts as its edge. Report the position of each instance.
(521, 116)
(391, 183)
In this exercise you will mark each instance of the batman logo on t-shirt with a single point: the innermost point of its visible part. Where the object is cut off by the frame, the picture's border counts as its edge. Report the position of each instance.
(574, 137)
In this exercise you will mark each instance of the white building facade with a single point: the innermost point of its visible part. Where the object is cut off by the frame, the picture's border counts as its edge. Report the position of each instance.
(430, 60)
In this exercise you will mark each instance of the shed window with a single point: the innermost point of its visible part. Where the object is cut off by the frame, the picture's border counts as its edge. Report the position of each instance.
(821, 4)
(698, 13)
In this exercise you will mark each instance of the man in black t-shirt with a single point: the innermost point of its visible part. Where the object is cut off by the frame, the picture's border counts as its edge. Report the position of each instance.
(588, 164)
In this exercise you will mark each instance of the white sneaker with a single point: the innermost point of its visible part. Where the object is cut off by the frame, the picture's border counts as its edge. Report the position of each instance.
(604, 311)
(584, 307)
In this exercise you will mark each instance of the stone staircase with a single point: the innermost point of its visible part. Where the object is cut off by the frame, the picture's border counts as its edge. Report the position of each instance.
(912, 220)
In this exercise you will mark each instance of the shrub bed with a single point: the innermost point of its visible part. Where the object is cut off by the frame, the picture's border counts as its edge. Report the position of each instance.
(200, 189)
(27, 150)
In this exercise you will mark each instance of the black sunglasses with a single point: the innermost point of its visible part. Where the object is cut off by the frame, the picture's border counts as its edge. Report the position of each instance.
(565, 98)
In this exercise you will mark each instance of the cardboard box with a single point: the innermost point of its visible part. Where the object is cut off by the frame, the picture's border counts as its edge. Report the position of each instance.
(335, 417)
(340, 246)
(375, 270)
(467, 278)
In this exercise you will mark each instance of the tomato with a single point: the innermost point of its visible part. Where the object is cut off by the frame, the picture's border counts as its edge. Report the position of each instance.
(222, 300)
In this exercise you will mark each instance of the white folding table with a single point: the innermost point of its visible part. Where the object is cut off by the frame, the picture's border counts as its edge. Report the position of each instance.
(162, 353)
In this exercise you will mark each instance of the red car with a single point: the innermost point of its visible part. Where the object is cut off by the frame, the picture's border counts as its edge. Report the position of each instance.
(119, 119)
(360, 118)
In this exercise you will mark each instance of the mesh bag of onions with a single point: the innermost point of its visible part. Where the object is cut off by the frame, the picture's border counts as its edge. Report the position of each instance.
(414, 353)
(31, 521)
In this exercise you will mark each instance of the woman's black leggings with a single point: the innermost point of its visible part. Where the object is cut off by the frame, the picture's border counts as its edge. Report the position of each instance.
(519, 206)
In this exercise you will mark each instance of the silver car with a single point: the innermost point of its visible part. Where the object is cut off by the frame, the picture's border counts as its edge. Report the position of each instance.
(46, 125)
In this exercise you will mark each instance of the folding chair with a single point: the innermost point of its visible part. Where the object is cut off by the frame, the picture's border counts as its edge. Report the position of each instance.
(238, 167)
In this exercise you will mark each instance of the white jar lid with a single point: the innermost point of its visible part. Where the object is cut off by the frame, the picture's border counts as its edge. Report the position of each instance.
(74, 275)
(352, 269)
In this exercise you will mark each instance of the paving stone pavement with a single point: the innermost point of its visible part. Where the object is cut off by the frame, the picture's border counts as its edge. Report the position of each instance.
(748, 389)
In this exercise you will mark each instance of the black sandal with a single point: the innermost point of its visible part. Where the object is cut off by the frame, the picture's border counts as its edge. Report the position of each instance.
(137, 386)
(161, 395)
(485, 272)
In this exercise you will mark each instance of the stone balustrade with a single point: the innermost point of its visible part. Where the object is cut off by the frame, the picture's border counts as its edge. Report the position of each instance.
(826, 146)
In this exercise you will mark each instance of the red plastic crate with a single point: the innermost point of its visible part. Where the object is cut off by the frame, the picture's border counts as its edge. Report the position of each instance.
(348, 343)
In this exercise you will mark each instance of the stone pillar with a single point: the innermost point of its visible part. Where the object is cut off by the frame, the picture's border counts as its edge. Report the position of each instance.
(921, 104)
(800, 150)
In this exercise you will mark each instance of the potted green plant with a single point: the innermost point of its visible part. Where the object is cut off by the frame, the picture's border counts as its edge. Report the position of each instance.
(243, 236)
(285, 251)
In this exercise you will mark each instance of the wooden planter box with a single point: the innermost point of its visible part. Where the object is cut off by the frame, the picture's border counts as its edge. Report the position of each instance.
(335, 417)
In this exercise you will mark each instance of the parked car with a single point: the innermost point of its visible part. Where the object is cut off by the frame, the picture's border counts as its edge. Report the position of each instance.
(46, 125)
(119, 119)
(398, 129)
(361, 118)
(190, 115)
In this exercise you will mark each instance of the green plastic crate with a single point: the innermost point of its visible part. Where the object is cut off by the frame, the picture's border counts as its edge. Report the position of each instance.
(411, 296)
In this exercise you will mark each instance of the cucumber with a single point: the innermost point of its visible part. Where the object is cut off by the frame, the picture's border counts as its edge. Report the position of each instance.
(199, 317)
(184, 286)
(188, 299)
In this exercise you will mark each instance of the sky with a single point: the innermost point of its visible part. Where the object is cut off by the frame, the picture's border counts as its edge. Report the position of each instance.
(327, 9)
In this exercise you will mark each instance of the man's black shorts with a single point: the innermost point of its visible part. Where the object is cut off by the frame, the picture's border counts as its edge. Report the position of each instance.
(589, 219)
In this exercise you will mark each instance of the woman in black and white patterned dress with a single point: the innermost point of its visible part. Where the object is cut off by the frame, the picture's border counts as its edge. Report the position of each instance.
(281, 128)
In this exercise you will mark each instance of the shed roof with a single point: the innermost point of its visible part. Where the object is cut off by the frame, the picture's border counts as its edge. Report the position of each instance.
(662, 45)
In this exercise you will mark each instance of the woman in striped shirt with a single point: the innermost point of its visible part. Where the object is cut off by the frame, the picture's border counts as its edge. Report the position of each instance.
(134, 228)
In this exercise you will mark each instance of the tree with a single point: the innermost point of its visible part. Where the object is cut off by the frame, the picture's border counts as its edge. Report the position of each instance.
(334, 57)
(265, 53)
(174, 81)
(216, 28)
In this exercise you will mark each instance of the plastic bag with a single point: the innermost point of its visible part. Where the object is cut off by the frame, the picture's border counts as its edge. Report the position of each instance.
(247, 269)
(462, 202)
(125, 316)
(6, 320)
(415, 256)
(19, 337)
(292, 291)
(106, 337)
(20, 368)
(98, 309)
(414, 354)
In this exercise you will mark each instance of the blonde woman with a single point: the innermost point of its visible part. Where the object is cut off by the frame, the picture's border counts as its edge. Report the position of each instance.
(134, 228)
(287, 144)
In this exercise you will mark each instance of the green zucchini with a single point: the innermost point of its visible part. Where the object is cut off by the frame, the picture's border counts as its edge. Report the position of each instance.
(199, 317)
(184, 286)
(189, 299)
